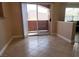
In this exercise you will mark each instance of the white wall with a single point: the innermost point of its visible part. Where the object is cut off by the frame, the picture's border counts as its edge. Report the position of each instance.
(66, 30)
(25, 18)
(5, 25)
(3, 36)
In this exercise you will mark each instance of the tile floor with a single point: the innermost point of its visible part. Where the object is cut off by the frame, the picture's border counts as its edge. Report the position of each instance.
(39, 46)
(77, 37)
(76, 46)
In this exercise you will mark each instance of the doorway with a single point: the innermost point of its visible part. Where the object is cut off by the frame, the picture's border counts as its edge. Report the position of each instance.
(35, 19)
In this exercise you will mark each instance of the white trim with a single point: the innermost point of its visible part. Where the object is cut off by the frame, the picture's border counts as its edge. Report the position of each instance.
(66, 39)
(53, 34)
(5, 46)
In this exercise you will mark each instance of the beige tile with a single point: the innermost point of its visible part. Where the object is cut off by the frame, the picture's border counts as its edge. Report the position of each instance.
(39, 46)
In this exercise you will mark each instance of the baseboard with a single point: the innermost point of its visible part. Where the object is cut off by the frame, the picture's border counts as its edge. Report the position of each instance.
(66, 39)
(5, 46)
(53, 34)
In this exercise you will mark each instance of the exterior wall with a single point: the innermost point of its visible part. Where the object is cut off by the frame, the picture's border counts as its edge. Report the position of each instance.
(32, 25)
(42, 25)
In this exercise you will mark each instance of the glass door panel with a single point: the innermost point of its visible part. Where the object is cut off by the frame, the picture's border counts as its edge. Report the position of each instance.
(32, 18)
(43, 17)
(38, 17)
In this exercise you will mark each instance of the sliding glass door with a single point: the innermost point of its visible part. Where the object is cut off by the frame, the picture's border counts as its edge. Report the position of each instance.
(32, 19)
(38, 17)
(43, 18)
